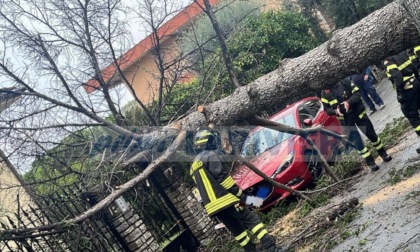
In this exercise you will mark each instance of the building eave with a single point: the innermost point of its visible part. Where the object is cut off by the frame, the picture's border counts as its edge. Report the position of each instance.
(143, 48)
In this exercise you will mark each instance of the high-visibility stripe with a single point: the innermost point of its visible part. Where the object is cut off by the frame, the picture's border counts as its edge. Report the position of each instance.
(416, 49)
(390, 67)
(354, 90)
(239, 193)
(362, 114)
(256, 228)
(221, 202)
(340, 117)
(363, 151)
(418, 128)
(388, 74)
(261, 234)
(333, 102)
(406, 78)
(377, 141)
(379, 146)
(244, 242)
(412, 57)
(241, 236)
(404, 65)
(207, 185)
(324, 100)
(228, 182)
(367, 154)
(201, 141)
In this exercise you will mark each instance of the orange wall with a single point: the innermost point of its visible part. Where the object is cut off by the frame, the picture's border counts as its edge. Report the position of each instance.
(8, 197)
(144, 75)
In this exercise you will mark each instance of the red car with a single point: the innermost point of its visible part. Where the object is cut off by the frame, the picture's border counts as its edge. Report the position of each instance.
(287, 158)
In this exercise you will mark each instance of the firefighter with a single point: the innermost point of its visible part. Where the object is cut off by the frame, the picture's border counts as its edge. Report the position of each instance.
(343, 101)
(222, 198)
(405, 78)
(414, 56)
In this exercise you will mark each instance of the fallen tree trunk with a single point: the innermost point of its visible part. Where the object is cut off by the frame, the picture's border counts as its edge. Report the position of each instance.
(355, 47)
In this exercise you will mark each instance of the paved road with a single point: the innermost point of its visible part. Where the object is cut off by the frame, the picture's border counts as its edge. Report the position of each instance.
(389, 219)
(392, 107)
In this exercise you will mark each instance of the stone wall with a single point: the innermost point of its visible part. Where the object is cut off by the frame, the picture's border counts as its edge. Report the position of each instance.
(189, 208)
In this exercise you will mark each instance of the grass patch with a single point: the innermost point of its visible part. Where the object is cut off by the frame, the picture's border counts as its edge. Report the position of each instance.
(396, 176)
(391, 133)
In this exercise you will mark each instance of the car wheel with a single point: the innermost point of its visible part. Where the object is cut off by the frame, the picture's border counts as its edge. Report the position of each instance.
(314, 164)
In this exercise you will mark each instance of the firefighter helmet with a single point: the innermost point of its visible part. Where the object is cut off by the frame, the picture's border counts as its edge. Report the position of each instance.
(205, 140)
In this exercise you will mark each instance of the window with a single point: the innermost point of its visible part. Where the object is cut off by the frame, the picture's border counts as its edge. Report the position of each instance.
(309, 110)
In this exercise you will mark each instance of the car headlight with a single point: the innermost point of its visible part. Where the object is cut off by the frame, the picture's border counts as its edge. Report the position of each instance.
(284, 165)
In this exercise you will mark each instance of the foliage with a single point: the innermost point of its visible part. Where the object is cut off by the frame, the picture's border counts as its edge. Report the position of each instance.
(347, 12)
(201, 35)
(265, 40)
(397, 176)
(391, 133)
(393, 130)
(260, 45)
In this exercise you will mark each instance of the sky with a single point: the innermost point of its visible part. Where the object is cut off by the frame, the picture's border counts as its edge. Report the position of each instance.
(138, 33)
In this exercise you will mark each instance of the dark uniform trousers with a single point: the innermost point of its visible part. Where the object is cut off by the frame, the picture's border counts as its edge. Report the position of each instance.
(352, 122)
(240, 219)
(410, 104)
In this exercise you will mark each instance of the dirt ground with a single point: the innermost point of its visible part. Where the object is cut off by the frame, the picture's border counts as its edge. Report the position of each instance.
(389, 217)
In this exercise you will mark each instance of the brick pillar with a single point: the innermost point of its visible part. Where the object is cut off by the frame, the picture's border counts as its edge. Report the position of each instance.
(134, 231)
(189, 208)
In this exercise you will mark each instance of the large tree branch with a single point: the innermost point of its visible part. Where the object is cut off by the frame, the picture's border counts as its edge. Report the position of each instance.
(225, 55)
(94, 61)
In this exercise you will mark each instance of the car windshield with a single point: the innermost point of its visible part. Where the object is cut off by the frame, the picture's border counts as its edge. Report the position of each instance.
(264, 139)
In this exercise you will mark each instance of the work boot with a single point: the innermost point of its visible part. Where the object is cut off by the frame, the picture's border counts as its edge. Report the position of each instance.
(250, 247)
(372, 111)
(385, 157)
(371, 163)
(418, 150)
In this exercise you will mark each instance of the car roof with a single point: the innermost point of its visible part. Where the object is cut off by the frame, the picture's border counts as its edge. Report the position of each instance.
(291, 107)
(287, 110)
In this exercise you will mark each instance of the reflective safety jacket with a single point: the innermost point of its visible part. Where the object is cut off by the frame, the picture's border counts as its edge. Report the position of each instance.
(401, 70)
(414, 55)
(330, 103)
(216, 186)
(344, 90)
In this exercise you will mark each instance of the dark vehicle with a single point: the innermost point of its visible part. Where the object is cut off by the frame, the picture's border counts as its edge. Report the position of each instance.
(287, 158)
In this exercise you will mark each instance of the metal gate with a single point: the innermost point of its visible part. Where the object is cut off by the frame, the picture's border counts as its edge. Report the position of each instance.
(150, 221)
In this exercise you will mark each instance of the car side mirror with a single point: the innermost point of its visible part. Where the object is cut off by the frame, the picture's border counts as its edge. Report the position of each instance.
(307, 122)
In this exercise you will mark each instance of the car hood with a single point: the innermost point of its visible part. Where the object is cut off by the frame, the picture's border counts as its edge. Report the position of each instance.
(266, 162)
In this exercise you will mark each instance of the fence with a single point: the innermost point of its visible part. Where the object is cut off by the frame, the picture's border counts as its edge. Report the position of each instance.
(143, 219)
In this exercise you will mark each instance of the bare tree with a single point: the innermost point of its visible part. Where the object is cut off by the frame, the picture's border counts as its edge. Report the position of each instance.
(221, 37)
(66, 48)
